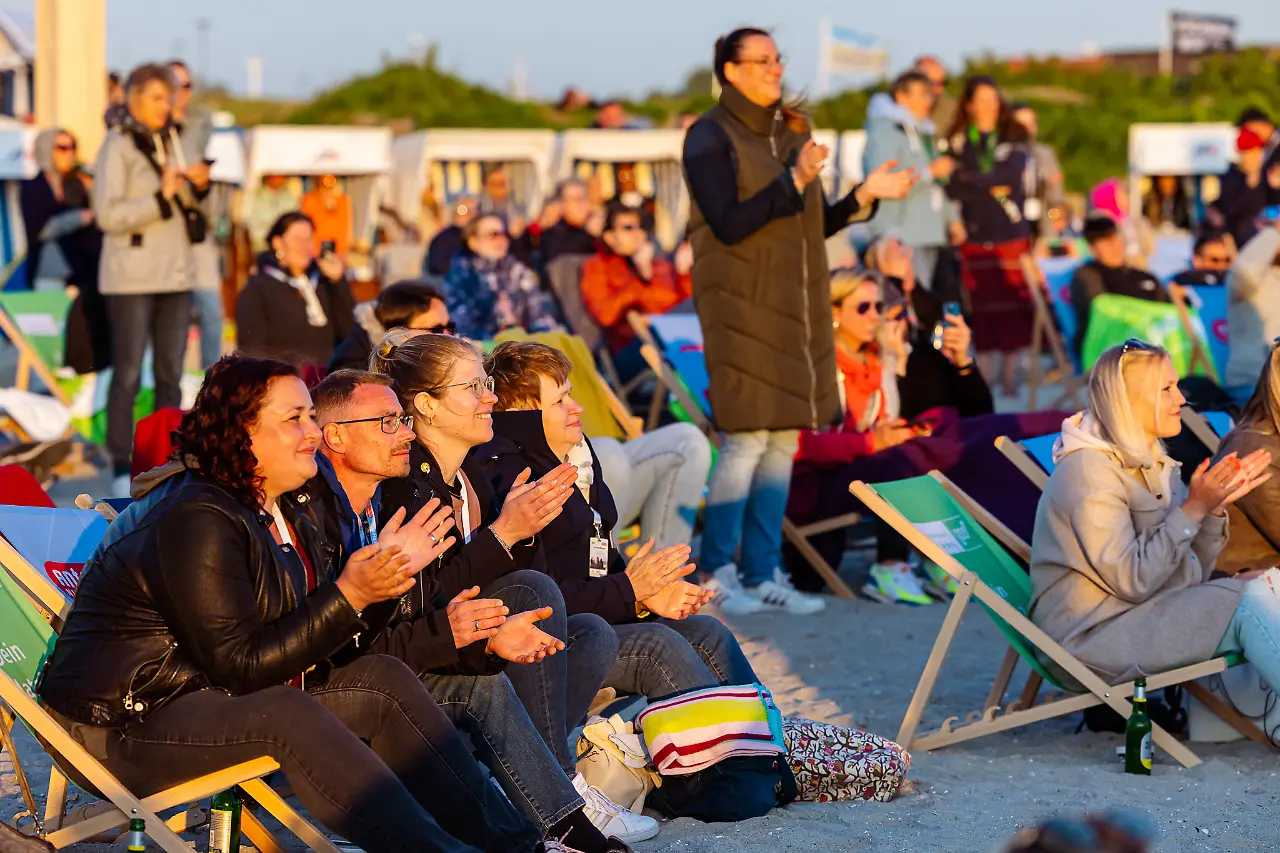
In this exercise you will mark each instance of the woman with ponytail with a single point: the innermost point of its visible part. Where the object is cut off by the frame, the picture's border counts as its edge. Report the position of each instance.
(1255, 518)
(757, 225)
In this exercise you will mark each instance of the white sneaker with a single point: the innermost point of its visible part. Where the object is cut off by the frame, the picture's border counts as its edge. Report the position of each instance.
(780, 593)
(611, 819)
(730, 597)
(120, 486)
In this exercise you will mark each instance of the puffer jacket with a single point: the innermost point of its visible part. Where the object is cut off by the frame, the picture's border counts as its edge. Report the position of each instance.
(192, 592)
(760, 278)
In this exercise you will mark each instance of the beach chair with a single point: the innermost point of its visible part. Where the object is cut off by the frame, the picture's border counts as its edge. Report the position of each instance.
(34, 323)
(1197, 333)
(1044, 330)
(682, 343)
(26, 638)
(939, 519)
(1031, 456)
(1208, 428)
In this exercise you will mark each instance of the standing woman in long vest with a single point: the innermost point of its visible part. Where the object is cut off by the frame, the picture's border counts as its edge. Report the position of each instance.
(760, 282)
(989, 183)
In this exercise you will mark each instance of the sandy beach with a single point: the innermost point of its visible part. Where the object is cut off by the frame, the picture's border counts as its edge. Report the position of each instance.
(857, 663)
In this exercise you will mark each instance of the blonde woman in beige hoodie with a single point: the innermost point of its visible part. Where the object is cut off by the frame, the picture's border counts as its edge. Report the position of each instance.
(1122, 552)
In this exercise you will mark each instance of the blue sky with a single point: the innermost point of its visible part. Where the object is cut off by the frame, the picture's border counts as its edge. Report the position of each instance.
(608, 47)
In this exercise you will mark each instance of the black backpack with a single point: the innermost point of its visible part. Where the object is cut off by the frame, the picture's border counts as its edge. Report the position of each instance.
(1168, 713)
(734, 789)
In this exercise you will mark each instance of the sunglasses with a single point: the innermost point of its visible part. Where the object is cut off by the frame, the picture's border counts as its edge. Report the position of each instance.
(68, 148)
(1222, 260)
(864, 307)
(491, 235)
(439, 329)
(628, 228)
(186, 87)
(389, 423)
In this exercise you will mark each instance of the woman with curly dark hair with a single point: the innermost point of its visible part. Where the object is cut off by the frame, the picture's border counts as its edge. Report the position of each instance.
(210, 630)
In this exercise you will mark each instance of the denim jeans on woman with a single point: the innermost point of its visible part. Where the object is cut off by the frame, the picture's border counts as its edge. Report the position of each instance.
(746, 502)
(368, 753)
(1254, 630)
(557, 691)
(658, 478)
(658, 657)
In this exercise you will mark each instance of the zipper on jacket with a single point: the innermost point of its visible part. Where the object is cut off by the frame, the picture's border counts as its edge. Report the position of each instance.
(773, 139)
(139, 707)
(808, 327)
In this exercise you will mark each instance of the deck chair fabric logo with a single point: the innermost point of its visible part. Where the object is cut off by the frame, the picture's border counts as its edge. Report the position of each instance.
(57, 542)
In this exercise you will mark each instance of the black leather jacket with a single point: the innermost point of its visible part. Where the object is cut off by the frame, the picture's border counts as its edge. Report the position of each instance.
(197, 595)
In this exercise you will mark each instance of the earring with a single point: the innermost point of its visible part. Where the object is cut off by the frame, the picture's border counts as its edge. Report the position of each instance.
(279, 255)
(835, 324)
(431, 420)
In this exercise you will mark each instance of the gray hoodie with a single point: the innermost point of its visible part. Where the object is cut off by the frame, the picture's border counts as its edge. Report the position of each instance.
(920, 219)
(1119, 573)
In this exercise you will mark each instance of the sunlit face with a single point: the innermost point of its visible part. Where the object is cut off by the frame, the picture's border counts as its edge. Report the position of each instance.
(364, 446)
(284, 437)
(296, 247)
(490, 239)
(575, 204)
(64, 153)
(627, 235)
(858, 316)
(433, 320)
(937, 75)
(1251, 160)
(1154, 396)
(757, 71)
(1027, 118)
(917, 99)
(182, 89)
(151, 104)
(497, 185)
(984, 107)
(1213, 256)
(611, 115)
(561, 415)
(1109, 251)
(457, 413)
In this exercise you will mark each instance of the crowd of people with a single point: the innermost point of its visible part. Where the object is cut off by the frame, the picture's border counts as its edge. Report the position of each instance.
(371, 534)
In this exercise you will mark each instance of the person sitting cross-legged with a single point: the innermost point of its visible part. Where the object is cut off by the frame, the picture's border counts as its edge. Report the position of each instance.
(664, 644)
(460, 648)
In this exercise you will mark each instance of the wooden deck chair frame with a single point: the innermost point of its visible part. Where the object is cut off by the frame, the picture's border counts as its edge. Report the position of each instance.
(797, 536)
(1044, 329)
(1017, 454)
(119, 806)
(1199, 356)
(29, 361)
(1200, 428)
(994, 717)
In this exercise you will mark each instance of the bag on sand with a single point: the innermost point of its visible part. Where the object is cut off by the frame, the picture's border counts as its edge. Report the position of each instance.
(730, 790)
(833, 763)
(612, 758)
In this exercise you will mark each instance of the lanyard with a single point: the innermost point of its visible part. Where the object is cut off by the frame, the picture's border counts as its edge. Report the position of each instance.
(368, 527)
(986, 149)
(598, 522)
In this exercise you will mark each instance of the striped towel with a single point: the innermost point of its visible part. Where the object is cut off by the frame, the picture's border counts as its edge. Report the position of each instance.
(693, 730)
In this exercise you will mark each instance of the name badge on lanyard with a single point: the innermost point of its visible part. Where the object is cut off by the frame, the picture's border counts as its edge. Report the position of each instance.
(599, 561)
(368, 527)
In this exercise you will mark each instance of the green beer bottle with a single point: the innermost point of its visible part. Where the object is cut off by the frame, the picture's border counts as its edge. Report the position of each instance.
(1137, 733)
(137, 835)
(224, 822)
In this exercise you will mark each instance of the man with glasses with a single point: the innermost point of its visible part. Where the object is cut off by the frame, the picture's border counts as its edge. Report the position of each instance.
(1209, 263)
(412, 305)
(944, 106)
(625, 276)
(460, 650)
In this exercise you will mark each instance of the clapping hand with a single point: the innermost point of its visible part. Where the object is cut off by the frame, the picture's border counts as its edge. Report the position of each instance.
(809, 163)
(885, 183)
(375, 573)
(1212, 489)
(529, 507)
(651, 571)
(474, 619)
(520, 641)
(678, 600)
(421, 538)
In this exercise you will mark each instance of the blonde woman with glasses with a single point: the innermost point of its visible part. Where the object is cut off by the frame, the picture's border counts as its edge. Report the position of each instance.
(1122, 553)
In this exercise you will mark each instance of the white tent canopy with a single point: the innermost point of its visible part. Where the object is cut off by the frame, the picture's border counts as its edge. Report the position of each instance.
(852, 144)
(657, 156)
(361, 155)
(453, 160)
(226, 150)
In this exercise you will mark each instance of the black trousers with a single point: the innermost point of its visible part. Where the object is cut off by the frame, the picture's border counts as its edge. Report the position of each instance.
(368, 753)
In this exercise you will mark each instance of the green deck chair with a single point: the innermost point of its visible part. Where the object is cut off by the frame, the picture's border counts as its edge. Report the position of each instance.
(937, 518)
(26, 639)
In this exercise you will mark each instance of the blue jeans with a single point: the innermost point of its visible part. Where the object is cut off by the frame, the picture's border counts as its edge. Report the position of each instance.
(746, 503)
(663, 656)
(557, 691)
(1254, 630)
(158, 319)
(487, 708)
(207, 305)
(657, 478)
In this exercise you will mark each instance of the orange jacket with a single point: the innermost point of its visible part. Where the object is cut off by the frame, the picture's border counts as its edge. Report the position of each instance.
(333, 224)
(611, 287)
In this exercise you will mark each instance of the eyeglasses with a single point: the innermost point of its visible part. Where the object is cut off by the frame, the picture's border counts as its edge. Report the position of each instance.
(491, 235)
(187, 86)
(764, 61)
(864, 307)
(439, 329)
(478, 386)
(68, 148)
(1217, 260)
(389, 423)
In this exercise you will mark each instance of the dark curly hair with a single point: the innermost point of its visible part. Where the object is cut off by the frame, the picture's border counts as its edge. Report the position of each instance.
(214, 434)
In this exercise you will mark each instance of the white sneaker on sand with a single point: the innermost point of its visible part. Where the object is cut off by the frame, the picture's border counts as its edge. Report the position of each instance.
(611, 819)
(779, 592)
(730, 597)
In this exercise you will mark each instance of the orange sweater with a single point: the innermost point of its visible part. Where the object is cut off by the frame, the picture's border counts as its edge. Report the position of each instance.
(611, 287)
(333, 224)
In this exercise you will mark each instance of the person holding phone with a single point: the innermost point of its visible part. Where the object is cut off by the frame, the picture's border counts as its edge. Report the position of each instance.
(330, 209)
(880, 439)
(298, 306)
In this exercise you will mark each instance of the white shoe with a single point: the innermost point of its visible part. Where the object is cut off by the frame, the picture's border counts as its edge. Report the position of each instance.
(730, 597)
(780, 593)
(612, 819)
(120, 486)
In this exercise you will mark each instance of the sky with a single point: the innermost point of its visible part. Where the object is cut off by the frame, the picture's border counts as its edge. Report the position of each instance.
(604, 46)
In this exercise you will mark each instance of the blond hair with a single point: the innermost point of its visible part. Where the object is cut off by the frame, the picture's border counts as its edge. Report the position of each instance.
(417, 363)
(1120, 374)
(1262, 412)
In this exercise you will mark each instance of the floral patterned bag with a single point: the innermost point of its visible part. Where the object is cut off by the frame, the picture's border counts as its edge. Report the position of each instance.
(832, 763)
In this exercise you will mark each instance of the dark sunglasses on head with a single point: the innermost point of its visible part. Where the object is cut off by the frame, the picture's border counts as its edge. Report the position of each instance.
(1135, 345)
(439, 329)
(864, 307)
